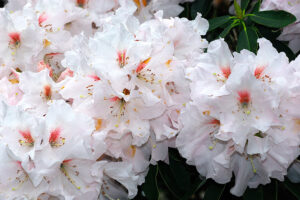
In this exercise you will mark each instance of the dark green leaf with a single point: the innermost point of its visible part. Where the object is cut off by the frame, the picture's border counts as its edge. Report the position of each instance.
(217, 22)
(214, 191)
(244, 4)
(227, 30)
(294, 188)
(181, 175)
(195, 186)
(150, 186)
(270, 34)
(202, 7)
(247, 40)
(252, 194)
(238, 10)
(272, 18)
(169, 180)
(270, 191)
(256, 7)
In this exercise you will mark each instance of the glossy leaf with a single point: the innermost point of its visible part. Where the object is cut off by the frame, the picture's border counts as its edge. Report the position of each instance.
(247, 40)
(256, 7)
(214, 191)
(195, 186)
(202, 7)
(181, 175)
(252, 194)
(270, 191)
(169, 180)
(244, 4)
(150, 186)
(238, 10)
(272, 18)
(228, 29)
(294, 188)
(217, 22)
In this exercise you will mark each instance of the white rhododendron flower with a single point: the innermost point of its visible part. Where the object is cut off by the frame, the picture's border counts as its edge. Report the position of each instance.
(91, 93)
(94, 91)
(243, 121)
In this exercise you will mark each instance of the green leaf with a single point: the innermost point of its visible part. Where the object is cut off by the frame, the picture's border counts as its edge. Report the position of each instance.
(270, 191)
(150, 186)
(196, 186)
(169, 180)
(227, 29)
(256, 7)
(247, 40)
(218, 21)
(214, 191)
(272, 18)
(252, 194)
(244, 4)
(202, 7)
(294, 188)
(181, 175)
(238, 10)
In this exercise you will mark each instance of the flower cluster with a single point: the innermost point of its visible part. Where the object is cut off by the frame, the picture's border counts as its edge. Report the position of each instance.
(94, 91)
(242, 118)
(91, 92)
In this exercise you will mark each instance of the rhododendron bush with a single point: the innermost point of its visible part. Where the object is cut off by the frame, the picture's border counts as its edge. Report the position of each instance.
(149, 99)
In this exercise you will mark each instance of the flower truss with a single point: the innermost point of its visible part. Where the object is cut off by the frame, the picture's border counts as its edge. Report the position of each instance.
(94, 91)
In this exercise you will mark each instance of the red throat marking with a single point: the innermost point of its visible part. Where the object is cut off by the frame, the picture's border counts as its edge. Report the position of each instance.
(54, 135)
(43, 17)
(215, 122)
(244, 97)
(226, 71)
(258, 71)
(47, 91)
(94, 77)
(142, 65)
(15, 38)
(81, 3)
(122, 58)
(27, 136)
(66, 161)
(114, 99)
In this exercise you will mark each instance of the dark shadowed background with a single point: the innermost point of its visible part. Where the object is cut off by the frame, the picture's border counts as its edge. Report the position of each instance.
(2, 2)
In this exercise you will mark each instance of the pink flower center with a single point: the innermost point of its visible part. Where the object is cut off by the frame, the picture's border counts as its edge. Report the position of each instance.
(15, 39)
(122, 59)
(47, 92)
(54, 135)
(55, 140)
(43, 17)
(28, 140)
(67, 161)
(81, 3)
(114, 99)
(214, 122)
(258, 71)
(19, 163)
(94, 77)
(226, 71)
(244, 97)
(142, 65)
